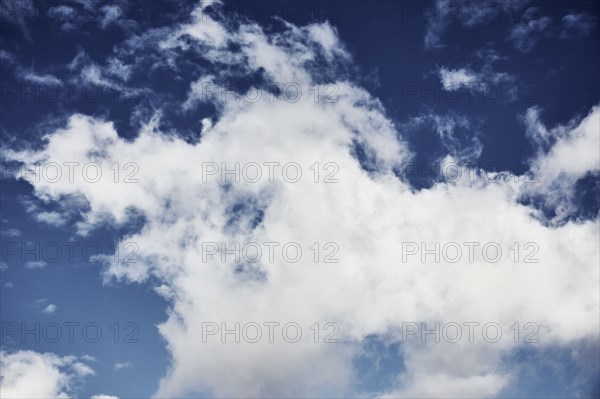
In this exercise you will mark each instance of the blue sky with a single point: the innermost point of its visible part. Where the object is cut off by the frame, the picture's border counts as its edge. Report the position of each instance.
(412, 128)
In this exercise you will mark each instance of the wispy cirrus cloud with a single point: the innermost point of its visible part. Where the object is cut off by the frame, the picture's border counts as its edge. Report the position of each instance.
(527, 25)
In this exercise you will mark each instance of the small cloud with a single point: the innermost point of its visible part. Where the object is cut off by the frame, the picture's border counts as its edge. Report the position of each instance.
(577, 25)
(8, 284)
(6, 56)
(164, 291)
(11, 232)
(62, 13)
(33, 77)
(52, 218)
(40, 302)
(526, 34)
(51, 308)
(88, 358)
(454, 79)
(102, 396)
(111, 13)
(122, 366)
(18, 13)
(82, 370)
(3, 266)
(483, 81)
(116, 68)
(36, 264)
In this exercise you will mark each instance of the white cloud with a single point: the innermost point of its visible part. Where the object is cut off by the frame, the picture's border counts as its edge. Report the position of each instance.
(122, 366)
(53, 218)
(577, 25)
(40, 79)
(537, 131)
(326, 35)
(527, 33)
(526, 27)
(72, 18)
(111, 14)
(429, 385)
(67, 17)
(457, 134)
(203, 28)
(27, 73)
(565, 155)
(444, 13)
(35, 264)
(48, 308)
(51, 308)
(93, 75)
(10, 58)
(19, 13)
(114, 75)
(500, 85)
(82, 369)
(29, 374)
(370, 291)
(281, 56)
(12, 232)
(454, 79)
(63, 12)
(67, 208)
(102, 396)
(119, 69)
(203, 90)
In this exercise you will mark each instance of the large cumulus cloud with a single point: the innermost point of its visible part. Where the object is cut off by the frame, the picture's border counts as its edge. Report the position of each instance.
(367, 214)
